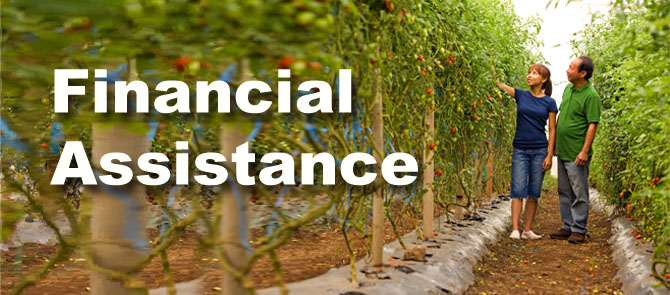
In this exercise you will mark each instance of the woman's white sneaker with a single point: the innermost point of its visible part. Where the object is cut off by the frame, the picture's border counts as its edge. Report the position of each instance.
(530, 235)
(515, 235)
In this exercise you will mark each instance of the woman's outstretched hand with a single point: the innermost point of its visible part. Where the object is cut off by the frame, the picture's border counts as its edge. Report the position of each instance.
(495, 77)
(502, 86)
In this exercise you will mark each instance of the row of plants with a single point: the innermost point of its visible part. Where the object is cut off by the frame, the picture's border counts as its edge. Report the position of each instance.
(420, 57)
(631, 165)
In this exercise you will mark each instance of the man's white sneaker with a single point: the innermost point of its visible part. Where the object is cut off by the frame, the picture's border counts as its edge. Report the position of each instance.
(530, 235)
(515, 235)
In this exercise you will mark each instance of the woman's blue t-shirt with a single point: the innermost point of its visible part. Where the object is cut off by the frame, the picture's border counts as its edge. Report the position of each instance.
(532, 114)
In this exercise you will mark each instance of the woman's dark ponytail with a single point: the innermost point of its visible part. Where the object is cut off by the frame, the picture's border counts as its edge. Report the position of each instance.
(547, 87)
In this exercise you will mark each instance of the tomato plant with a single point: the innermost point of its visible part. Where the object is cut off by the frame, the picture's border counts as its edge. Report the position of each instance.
(422, 56)
(631, 166)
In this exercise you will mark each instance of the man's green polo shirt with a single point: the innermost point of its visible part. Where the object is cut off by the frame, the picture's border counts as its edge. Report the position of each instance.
(579, 107)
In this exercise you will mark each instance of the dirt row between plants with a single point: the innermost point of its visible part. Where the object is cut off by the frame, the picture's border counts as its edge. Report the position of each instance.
(548, 266)
(312, 251)
(509, 266)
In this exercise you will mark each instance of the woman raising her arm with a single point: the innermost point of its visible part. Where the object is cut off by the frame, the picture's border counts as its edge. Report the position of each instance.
(532, 154)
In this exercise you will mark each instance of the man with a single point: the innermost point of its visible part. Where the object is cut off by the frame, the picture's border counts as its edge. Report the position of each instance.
(578, 119)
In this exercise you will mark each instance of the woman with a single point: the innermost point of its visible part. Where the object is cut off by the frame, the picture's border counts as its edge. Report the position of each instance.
(533, 153)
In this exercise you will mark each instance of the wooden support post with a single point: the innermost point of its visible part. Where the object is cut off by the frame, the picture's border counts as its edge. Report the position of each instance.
(233, 213)
(459, 168)
(508, 185)
(117, 219)
(459, 190)
(428, 177)
(378, 198)
(489, 175)
(477, 189)
(460, 196)
(458, 212)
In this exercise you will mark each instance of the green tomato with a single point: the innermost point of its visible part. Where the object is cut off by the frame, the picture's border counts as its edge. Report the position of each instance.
(133, 10)
(298, 67)
(193, 67)
(321, 24)
(287, 9)
(305, 18)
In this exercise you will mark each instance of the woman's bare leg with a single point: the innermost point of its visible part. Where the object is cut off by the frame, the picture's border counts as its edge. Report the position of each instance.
(531, 208)
(517, 203)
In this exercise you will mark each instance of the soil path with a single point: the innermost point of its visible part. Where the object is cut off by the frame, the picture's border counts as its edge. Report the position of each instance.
(547, 266)
(553, 267)
(312, 251)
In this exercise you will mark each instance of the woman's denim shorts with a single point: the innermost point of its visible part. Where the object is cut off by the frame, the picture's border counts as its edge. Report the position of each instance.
(527, 173)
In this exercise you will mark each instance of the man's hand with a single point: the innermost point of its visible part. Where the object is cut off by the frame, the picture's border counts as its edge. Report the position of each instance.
(582, 158)
(546, 164)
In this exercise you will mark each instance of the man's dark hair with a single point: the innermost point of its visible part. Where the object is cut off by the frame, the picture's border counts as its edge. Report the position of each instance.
(586, 66)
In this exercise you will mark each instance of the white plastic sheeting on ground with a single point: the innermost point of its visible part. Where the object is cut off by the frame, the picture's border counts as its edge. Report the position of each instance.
(447, 269)
(634, 261)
